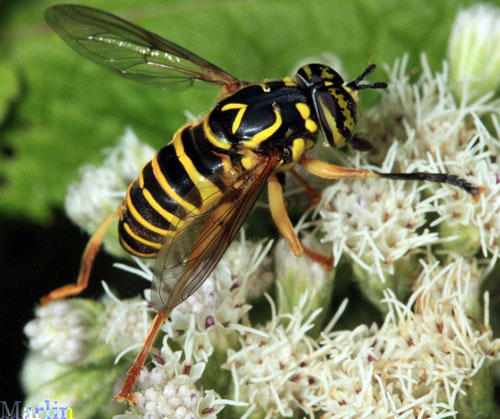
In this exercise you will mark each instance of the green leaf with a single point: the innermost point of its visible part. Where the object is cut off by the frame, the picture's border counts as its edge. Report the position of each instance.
(9, 88)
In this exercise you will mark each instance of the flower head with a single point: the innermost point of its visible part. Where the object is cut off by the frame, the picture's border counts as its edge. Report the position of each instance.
(215, 310)
(424, 357)
(475, 225)
(169, 391)
(296, 277)
(381, 225)
(271, 369)
(125, 323)
(64, 331)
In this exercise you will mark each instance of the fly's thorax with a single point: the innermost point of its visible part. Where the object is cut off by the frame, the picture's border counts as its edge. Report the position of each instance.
(262, 116)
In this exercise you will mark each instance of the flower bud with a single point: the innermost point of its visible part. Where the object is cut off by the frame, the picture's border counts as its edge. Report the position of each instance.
(473, 51)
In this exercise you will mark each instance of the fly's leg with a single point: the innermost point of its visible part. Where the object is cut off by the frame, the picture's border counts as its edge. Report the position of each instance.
(285, 227)
(89, 254)
(126, 392)
(314, 196)
(329, 171)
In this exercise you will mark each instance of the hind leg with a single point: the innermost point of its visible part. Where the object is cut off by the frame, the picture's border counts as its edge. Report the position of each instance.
(89, 254)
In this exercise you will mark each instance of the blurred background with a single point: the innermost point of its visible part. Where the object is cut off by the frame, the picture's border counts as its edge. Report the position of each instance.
(58, 110)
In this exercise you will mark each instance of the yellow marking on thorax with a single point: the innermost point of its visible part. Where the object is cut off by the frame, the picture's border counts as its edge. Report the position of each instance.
(169, 190)
(289, 81)
(304, 110)
(311, 126)
(239, 116)
(265, 88)
(305, 113)
(266, 133)
(139, 217)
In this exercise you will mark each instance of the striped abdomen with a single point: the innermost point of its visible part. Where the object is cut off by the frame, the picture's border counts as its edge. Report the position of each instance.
(182, 179)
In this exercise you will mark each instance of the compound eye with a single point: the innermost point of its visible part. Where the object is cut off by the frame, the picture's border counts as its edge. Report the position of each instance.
(337, 124)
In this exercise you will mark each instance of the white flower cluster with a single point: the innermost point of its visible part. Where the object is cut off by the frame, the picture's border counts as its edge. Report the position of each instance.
(61, 331)
(422, 359)
(375, 222)
(271, 369)
(215, 310)
(476, 225)
(102, 188)
(125, 323)
(169, 391)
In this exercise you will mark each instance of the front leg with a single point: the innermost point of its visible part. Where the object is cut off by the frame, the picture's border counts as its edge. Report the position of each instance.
(330, 171)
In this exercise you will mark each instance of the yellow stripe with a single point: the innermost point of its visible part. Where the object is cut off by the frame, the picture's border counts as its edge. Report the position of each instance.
(140, 239)
(208, 191)
(307, 69)
(239, 116)
(209, 134)
(138, 217)
(338, 138)
(128, 249)
(305, 113)
(289, 82)
(168, 189)
(171, 218)
(266, 133)
(247, 163)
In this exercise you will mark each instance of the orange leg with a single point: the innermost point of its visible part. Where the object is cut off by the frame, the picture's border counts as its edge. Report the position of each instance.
(325, 261)
(285, 227)
(280, 215)
(87, 261)
(313, 195)
(329, 171)
(126, 392)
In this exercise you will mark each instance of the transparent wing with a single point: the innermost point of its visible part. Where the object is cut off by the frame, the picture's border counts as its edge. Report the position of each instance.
(191, 255)
(131, 51)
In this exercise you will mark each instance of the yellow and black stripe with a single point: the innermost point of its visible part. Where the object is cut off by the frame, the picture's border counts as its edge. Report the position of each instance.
(181, 179)
(203, 159)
